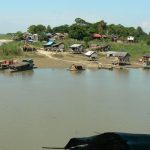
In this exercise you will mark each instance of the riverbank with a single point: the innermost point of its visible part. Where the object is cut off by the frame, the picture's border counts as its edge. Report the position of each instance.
(47, 59)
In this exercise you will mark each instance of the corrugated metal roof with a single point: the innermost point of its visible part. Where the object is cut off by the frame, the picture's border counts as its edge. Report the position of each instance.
(121, 54)
(75, 45)
(89, 53)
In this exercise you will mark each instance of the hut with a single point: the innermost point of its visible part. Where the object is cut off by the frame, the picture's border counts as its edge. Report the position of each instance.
(30, 38)
(58, 47)
(122, 58)
(77, 48)
(100, 48)
(114, 38)
(99, 36)
(92, 55)
(146, 60)
(48, 45)
(130, 39)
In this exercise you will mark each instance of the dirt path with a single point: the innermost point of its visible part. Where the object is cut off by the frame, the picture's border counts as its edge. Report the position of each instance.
(86, 64)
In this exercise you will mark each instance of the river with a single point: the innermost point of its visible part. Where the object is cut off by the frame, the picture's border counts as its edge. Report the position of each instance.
(46, 107)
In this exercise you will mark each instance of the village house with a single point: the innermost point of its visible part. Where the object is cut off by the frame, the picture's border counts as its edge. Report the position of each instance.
(77, 48)
(92, 55)
(100, 48)
(30, 38)
(99, 36)
(48, 45)
(130, 39)
(60, 36)
(123, 58)
(146, 60)
(114, 38)
(111, 53)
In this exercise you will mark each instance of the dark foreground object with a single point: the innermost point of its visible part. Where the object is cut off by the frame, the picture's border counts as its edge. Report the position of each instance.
(109, 141)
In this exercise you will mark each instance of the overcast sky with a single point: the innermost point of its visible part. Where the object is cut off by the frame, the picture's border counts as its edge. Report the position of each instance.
(18, 15)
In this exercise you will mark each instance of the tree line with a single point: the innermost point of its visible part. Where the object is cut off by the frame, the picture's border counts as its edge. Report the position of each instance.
(83, 30)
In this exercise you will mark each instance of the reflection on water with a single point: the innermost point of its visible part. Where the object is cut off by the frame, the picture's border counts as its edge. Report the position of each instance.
(7, 73)
(46, 107)
(76, 73)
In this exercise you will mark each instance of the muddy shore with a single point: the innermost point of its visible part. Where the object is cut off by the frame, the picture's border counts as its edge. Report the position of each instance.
(51, 60)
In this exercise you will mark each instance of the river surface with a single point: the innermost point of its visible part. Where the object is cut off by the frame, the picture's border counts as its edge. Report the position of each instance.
(46, 107)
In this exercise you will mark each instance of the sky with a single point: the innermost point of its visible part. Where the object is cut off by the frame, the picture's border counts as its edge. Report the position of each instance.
(18, 15)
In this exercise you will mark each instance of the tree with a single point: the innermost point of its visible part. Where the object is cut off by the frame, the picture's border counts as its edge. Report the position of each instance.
(36, 29)
(48, 29)
(101, 26)
(61, 29)
(19, 36)
(81, 22)
(78, 32)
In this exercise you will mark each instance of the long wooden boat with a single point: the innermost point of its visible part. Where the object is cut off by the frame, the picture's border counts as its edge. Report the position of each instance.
(26, 64)
(109, 141)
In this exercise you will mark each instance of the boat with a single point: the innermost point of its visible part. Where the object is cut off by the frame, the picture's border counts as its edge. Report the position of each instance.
(26, 64)
(146, 61)
(76, 68)
(105, 67)
(4, 64)
(146, 65)
(108, 141)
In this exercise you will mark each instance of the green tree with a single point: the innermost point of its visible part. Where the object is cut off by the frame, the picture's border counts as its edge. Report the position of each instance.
(48, 29)
(81, 22)
(19, 36)
(36, 29)
(78, 32)
(61, 29)
(101, 27)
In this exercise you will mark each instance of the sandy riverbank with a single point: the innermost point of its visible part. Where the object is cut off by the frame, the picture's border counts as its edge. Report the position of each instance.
(59, 60)
(64, 60)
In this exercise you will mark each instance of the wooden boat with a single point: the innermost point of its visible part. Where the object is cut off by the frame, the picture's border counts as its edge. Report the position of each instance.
(4, 64)
(146, 65)
(108, 141)
(76, 68)
(105, 67)
(26, 64)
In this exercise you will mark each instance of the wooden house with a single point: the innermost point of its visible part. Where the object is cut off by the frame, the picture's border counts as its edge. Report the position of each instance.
(99, 36)
(146, 60)
(77, 48)
(122, 58)
(130, 39)
(92, 55)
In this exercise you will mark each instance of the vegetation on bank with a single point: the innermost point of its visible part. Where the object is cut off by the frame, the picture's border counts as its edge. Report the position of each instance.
(14, 50)
(80, 33)
(11, 49)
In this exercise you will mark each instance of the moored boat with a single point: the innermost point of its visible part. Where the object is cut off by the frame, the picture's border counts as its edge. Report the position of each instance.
(146, 61)
(108, 141)
(26, 64)
(4, 64)
(76, 68)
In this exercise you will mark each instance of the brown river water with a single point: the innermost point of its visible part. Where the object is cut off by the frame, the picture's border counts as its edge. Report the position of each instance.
(47, 107)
